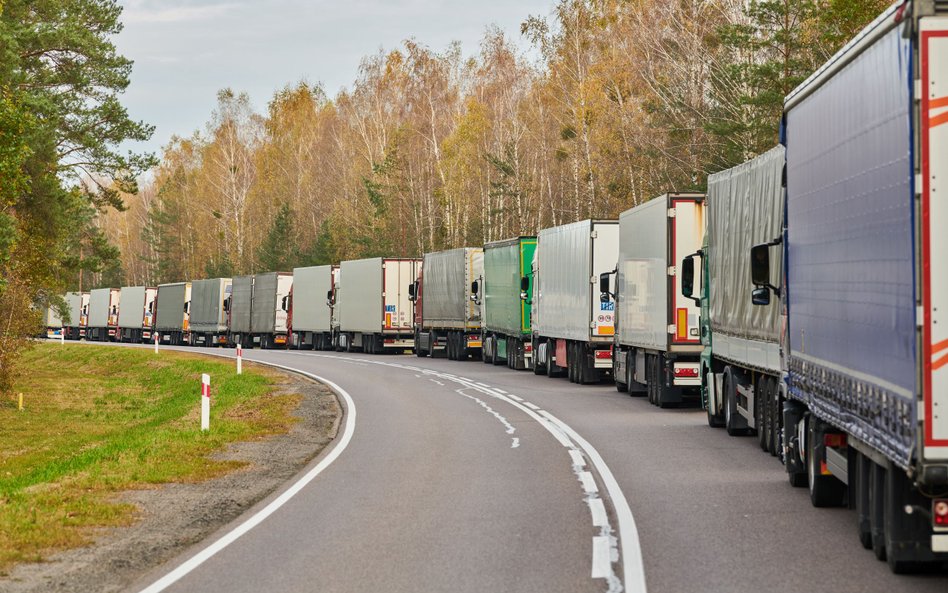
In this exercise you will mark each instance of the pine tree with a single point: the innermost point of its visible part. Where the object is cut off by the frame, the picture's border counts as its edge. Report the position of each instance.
(277, 253)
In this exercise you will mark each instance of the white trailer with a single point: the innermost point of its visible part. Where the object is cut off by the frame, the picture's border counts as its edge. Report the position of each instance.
(172, 317)
(209, 303)
(573, 328)
(658, 345)
(311, 308)
(447, 317)
(137, 314)
(375, 311)
(77, 303)
(103, 314)
(52, 322)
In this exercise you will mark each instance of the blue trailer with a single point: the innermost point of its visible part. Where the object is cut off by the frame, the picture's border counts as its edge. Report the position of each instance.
(865, 367)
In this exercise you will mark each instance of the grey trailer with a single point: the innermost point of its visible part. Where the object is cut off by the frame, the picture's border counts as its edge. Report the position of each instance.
(375, 311)
(77, 304)
(103, 314)
(209, 311)
(172, 317)
(269, 309)
(238, 317)
(311, 308)
(137, 313)
(447, 318)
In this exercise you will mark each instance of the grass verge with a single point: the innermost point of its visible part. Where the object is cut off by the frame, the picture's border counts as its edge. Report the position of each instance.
(99, 420)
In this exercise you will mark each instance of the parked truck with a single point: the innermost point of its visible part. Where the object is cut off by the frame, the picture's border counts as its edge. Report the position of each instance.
(77, 303)
(506, 294)
(209, 303)
(172, 313)
(657, 345)
(375, 312)
(103, 314)
(447, 320)
(864, 290)
(137, 314)
(741, 354)
(573, 328)
(270, 304)
(312, 314)
(238, 312)
(53, 322)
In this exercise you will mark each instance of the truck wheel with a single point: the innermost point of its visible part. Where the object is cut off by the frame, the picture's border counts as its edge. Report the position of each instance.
(732, 419)
(539, 369)
(714, 420)
(761, 413)
(863, 514)
(461, 342)
(825, 490)
(552, 369)
(877, 510)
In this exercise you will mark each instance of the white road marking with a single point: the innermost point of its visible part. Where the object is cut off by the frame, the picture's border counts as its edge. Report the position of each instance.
(500, 391)
(598, 510)
(514, 397)
(602, 558)
(577, 457)
(258, 517)
(531, 406)
(589, 483)
(515, 443)
(483, 385)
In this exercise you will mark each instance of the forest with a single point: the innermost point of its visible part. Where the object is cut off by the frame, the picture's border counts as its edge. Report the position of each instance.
(432, 149)
(593, 108)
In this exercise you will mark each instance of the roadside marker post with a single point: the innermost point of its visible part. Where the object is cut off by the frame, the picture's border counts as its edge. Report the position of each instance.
(240, 358)
(20, 403)
(62, 336)
(156, 342)
(205, 402)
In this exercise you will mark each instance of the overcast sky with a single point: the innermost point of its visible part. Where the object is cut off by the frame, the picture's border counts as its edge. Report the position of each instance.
(185, 51)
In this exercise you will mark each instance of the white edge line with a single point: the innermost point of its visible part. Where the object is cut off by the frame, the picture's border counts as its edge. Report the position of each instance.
(231, 536)
(633, 568)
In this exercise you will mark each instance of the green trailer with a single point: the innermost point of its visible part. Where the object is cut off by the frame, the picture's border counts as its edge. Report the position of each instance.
(506, 293)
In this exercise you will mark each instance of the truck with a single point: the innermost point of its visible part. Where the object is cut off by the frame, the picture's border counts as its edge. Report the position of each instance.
(238, 311)
(741, 354)
(863, 365)
(77, 303)
(311, 317)
(657, 346)
(172, 312)
(506, 294)
(209, 303)
(53, 323)
(375, 312)
(137, 314)
(103, 314)
(573, 328)
(269, 310)
(447, 320)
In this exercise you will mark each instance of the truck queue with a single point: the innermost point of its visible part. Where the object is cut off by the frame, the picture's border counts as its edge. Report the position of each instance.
(800, 300)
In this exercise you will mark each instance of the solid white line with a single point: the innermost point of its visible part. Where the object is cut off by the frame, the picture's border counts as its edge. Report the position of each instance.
(531, 406)
(632, 566)
(598, 510)
(578, 458)
(589, 484)
(601, 564)
(230, 537)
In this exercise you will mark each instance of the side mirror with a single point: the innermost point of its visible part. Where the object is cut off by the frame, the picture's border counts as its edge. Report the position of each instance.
(411, 290)
(604, 297)
(475, 287)
(524, 284)
(284, 305)
(187, 306)
(604, 285)
(688, 277)
(227, 305)
(760, 264)
(760, 296)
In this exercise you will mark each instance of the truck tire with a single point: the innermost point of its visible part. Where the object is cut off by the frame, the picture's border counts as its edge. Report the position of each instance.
(733, 422)
(539, 369)
(877, 510)
(825, 490)
(553, 370)
(863, 467)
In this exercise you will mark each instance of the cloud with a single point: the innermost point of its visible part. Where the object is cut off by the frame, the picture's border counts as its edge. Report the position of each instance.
(177, 14)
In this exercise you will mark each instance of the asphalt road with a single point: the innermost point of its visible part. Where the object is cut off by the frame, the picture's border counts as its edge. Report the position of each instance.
(465, 477)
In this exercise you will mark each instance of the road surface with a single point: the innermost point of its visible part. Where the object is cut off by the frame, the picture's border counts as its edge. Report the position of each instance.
(459, 476)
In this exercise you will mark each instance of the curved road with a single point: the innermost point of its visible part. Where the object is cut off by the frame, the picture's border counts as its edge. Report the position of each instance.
(464, 477)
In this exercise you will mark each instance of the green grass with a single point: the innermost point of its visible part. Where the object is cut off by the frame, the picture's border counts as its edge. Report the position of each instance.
(99, 420)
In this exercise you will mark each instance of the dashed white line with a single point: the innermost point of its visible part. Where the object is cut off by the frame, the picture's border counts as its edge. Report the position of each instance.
(602, 558)
(578, 459)
(589, 483)
(531, 406)
(598, 511)
(514, 397)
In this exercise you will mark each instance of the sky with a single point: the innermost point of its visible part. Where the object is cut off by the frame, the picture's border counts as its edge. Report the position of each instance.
(185, 51)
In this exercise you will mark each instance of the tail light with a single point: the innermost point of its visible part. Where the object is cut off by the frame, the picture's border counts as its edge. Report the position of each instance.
(940, 512)
(834, 440)
(601, 354)
(686, 372)
(528, 347)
